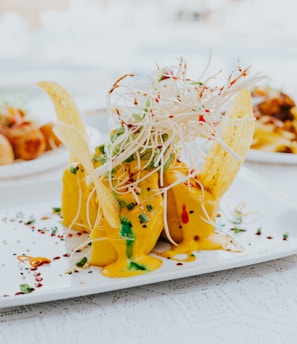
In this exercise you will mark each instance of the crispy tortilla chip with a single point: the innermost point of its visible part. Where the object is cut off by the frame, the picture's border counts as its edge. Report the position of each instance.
(221, 167)
(66, 108)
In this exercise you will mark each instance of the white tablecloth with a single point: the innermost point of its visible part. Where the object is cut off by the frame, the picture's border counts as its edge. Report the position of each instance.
(253, 304)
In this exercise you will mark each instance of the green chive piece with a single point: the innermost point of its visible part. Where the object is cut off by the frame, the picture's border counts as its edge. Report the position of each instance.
(285, 236)
(238, 230)
(136, 266)
(131, 158)
(82, 262)
(259, 230)
(143, 218)
(101, 148)
(25, 288)
(149, 207)
(30, 220)
(54, 230)
(130, 206)
(73, 169)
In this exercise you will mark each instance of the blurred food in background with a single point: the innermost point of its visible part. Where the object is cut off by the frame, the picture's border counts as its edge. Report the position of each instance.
(21, 138)
(276, 121)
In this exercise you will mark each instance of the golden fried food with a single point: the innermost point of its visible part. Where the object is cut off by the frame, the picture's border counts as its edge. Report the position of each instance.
(27, 141)
(276, 121)
(52, 141)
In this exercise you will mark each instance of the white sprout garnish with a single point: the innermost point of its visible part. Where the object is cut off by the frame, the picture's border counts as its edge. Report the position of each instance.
(155, 124)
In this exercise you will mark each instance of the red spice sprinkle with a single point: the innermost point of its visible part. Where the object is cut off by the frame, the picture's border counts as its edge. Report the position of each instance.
(269, 237)
(56, 258)
(184, 215)
(179, 264)
(187, 183)
(38, 285)
(201, 118)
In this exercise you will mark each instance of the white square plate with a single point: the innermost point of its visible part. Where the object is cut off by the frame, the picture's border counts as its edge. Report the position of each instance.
(45, 237)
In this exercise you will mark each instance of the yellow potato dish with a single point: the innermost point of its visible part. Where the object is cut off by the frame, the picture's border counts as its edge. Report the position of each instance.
(136, 188)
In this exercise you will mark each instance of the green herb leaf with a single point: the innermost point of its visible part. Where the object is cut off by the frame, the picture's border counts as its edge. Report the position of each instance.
(54, 230)
(143, 218)
(130, 206)
(101, 148)
(127, 234)
(25, 288)
(149, 207)
(259, 230)
(285, 236)
(31, 220)
(82, 262)
(238, 230)
(131, 158)
(119, 131)
(73, 169)
(136, 266)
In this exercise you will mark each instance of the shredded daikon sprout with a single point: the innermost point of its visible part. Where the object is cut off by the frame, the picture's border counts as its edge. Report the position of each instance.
(156, 124)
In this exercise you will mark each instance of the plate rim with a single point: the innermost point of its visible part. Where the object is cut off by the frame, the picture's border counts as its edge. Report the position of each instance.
(257, 155)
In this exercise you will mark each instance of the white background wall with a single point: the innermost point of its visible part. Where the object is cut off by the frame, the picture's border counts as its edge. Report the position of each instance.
(86, 44)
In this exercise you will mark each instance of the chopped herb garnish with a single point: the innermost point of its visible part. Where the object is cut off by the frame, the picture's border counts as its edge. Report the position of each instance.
(136, 266)
(73, 169)
(127, 234)
(131, 158)
(101, 148)
(259, 231)
(54, 230)
(82, 262)
(117, 132)
(100, 158)
(31, 220)
(285, 236)
(25, 288)
(56, 209)
(130, 206)
(149, 207)
(238, 230)
(165, 137)
(143, 218)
